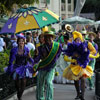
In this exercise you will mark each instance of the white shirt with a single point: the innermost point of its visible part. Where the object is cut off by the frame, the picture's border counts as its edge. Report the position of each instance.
(2, 43)
(14, 43)
(30, 46)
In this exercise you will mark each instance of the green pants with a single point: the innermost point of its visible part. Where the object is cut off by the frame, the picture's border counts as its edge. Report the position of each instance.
(45, 79)
(91, 81)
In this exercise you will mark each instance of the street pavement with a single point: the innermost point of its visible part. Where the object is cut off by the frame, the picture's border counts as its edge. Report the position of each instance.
(61, 92)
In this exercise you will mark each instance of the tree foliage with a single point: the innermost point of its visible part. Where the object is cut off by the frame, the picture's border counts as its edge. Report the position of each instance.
(4, 59)
(6, 5)
(92, 6)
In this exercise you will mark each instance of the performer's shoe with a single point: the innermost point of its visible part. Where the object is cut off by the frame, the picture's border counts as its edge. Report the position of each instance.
(81, 97)
(77, 97)
(19, 98)
(91, 88)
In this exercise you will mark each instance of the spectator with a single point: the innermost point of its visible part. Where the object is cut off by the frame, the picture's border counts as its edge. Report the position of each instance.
(2, 44)
(97, 41)
(13, 41)
(7, 40)
(29, 44)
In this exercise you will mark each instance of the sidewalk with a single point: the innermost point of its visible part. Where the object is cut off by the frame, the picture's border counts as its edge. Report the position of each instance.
(61, 92)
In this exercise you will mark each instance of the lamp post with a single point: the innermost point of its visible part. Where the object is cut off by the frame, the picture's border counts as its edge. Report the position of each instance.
(60, 12)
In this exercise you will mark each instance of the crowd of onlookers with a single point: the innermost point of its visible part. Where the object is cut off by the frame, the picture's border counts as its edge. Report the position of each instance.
(10, 41)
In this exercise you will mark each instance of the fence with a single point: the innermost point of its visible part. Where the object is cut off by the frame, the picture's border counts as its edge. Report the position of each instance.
(7, 87)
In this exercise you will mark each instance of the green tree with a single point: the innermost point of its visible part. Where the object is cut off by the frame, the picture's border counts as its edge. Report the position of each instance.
(6, 5)
(92, 6)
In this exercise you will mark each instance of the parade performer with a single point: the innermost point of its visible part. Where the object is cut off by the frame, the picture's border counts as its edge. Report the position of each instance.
(61, 64)
(19, 67)
(60, 37)
(78, 69)
(46, 59)
(91, 37)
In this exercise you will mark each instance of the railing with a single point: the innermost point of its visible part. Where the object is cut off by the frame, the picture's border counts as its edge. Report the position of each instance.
(97, 84)
(7, 87)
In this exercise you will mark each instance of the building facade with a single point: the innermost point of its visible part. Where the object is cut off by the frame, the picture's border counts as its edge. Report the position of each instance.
(63, 8)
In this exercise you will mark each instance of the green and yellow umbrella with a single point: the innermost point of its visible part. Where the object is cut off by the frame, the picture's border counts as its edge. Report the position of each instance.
(29, 18)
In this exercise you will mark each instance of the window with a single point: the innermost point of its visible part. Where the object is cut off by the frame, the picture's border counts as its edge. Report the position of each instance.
(69, 1)
(43, 1)
(69, 7)
(63, 7)
(63, 1)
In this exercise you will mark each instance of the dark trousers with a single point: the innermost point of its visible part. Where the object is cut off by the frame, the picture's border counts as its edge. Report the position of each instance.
(97, 65)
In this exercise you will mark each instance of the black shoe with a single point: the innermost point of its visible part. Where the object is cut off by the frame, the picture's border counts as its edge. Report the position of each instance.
(20, 99)
(91, 88)
(77, 97)
(82, 98)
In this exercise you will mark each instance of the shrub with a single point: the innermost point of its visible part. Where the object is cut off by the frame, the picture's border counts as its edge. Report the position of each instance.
(4, 59)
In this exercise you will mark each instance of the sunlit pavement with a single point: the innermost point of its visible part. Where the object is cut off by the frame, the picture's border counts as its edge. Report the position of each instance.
(61, 92)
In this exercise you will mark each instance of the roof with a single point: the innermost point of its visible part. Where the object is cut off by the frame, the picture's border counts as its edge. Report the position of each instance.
(88, 15)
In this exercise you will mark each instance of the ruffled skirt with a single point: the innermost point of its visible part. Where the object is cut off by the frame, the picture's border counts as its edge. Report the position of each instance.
(21, 71)
(75, 72)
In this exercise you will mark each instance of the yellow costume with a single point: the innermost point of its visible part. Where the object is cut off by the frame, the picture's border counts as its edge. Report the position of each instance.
(74, 71)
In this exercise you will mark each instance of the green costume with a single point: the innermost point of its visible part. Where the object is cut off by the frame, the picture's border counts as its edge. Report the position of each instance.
(61, 39)
(92, 64)
(46, 69)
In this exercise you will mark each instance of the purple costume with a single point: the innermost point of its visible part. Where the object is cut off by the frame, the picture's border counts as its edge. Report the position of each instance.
(79, 52)
(21, 66)
(43, 52)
